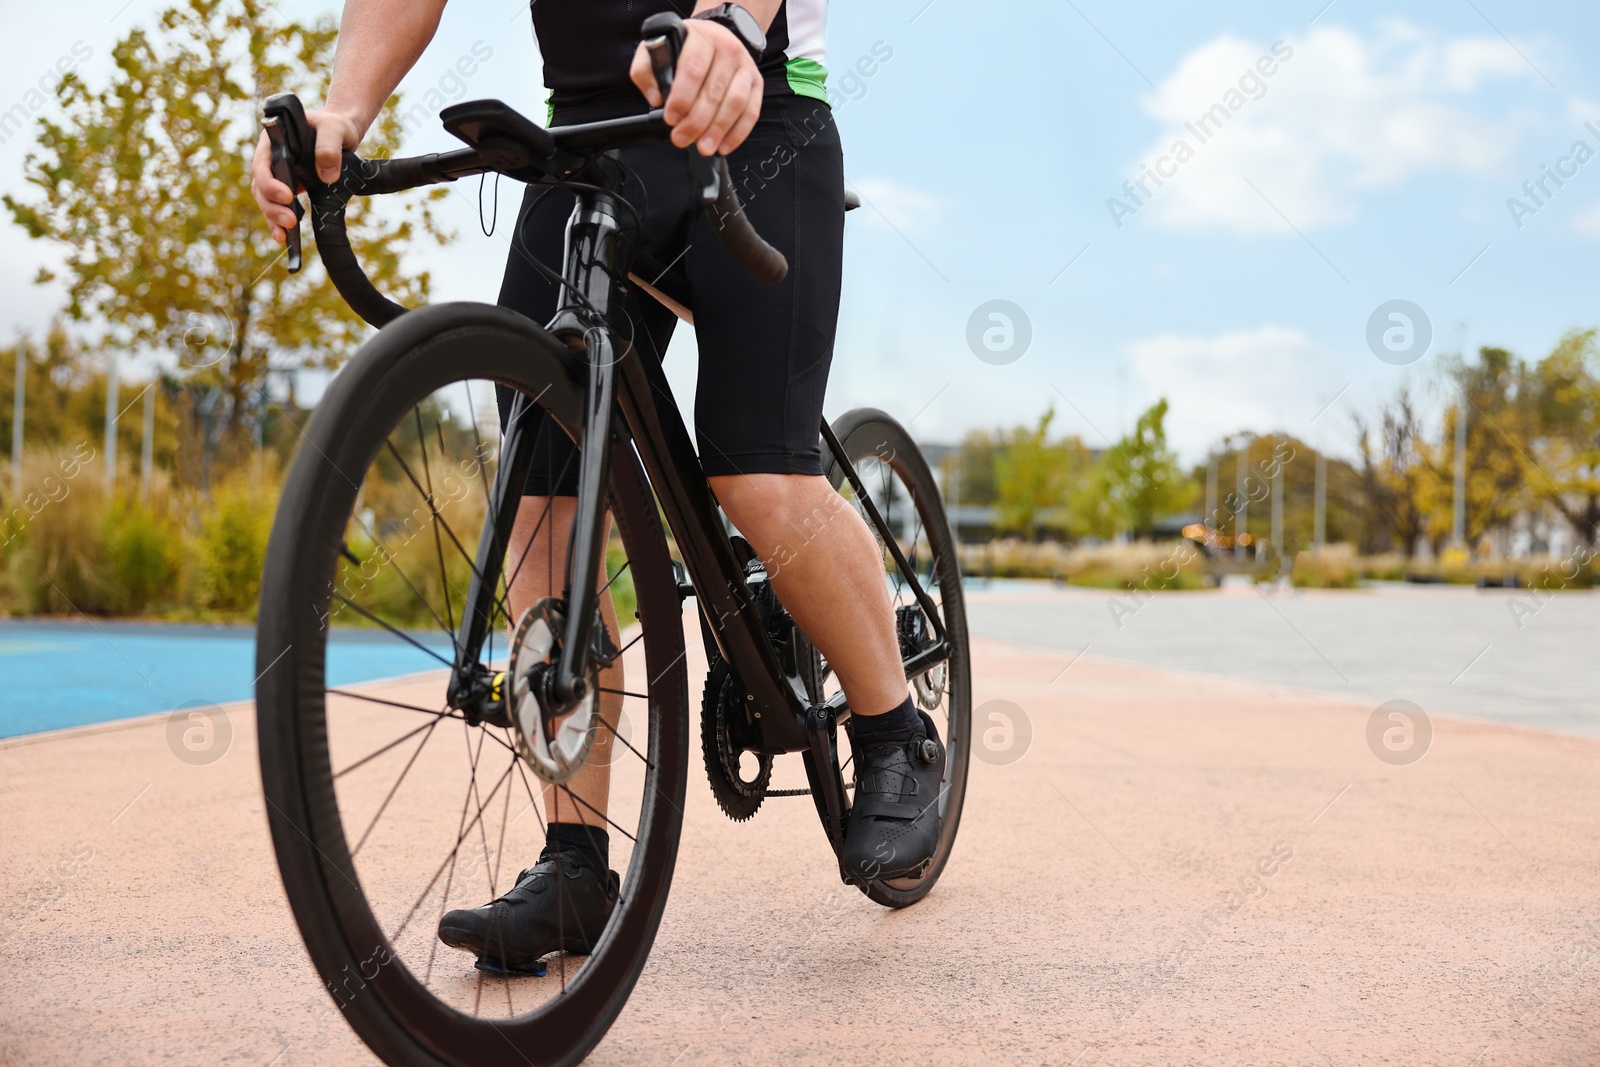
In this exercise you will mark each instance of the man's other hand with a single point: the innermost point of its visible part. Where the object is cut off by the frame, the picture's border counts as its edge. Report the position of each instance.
(716, 89)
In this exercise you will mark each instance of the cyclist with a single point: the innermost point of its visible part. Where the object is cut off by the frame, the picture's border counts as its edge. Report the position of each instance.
(750, 85)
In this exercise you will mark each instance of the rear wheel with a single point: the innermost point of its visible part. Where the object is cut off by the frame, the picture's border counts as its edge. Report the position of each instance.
(897, 479)
(387, 806)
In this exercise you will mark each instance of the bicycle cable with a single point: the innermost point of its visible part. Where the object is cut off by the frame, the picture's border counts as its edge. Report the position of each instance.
(494, 214)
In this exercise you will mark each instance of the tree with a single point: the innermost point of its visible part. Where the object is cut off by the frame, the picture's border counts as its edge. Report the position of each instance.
(1033, 477)
(1497, 399)
(145, 182)
(1139, 476)
(1394, 466)
(975, 467)
(1566, 399)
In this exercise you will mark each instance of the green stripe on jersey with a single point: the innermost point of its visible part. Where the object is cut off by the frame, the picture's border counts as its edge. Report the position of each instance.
(807, 77)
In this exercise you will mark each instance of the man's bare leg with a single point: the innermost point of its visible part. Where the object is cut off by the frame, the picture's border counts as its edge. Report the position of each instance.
(543, 573)
(827, 568)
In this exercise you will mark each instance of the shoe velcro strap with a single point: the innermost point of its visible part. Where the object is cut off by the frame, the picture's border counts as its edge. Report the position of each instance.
(887, 781)
(882, 806)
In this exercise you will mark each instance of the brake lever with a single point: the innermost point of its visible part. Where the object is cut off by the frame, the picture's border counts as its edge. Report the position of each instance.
(663, 47)
(290, 137)
(283, 170)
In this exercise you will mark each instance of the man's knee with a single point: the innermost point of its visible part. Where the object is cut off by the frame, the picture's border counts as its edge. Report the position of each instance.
(761, 501)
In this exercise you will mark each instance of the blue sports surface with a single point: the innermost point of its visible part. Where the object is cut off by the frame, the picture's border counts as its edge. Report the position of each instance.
(56, 674)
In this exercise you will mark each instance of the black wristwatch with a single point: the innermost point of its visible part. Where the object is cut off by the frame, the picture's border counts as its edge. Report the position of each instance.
(742, 23)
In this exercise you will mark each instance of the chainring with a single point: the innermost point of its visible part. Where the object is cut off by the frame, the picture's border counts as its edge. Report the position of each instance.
(726, 732)
(722, 726)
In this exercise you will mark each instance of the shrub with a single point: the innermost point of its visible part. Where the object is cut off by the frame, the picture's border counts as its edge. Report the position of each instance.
(54, 554)
(231, 546)
(1140, 565)
(1329, 567)
(143, 548)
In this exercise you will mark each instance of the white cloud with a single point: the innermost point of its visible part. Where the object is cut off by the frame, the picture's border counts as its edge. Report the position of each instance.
(1342, 115)
(1249, 379)
(904, 207)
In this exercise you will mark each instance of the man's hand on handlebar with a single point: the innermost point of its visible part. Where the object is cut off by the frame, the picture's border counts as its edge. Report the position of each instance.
(716, 91)
(335, 132)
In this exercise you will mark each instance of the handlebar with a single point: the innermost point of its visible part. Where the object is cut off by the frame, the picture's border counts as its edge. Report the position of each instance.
(502, 141)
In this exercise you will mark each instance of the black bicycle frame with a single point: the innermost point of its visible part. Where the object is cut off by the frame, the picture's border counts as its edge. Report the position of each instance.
(619, 379)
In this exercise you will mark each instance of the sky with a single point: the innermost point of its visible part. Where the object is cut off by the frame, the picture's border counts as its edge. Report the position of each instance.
(1313, 163)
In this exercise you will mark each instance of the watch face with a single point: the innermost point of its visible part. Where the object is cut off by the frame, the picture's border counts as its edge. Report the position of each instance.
(744, 25)
(749, 28)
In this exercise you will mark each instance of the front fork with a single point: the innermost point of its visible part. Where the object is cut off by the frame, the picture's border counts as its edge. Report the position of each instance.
(592, 257)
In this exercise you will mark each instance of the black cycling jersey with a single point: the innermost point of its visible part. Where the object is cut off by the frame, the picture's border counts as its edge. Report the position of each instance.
(765, 350)
(588, 45)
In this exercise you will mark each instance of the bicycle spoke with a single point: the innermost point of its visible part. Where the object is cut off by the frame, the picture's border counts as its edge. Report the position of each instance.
(448, 713)
(387, 626)
(549, 504)
(444, 900)
(395, 563)
(392, 789)
(614, 577)
(622, 692)
(624, 740)
(532, 799)
(576, 798)
(439, 519)
(399, 740)
(438, 543)
(447, 861)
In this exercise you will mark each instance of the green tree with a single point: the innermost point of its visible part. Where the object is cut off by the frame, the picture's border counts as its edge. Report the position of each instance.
(145, 184)
(974, 465)
(1566, 452)
(1138, 479)
(1497, 395)
(1395, 473)
(1031, 476)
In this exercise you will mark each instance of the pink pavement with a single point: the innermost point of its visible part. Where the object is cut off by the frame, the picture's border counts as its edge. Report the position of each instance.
(1176, 869)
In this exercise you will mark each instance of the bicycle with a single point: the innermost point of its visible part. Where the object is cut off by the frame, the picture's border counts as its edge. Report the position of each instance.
(366, 532)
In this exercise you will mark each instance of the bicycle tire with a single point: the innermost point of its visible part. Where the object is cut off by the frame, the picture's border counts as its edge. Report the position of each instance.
(402, 1020)
(869, 434)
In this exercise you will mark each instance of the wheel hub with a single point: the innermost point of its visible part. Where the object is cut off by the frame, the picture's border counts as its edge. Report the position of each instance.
(555, 742)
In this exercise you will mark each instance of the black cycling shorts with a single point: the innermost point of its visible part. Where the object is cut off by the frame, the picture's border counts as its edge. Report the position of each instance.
(765, 350)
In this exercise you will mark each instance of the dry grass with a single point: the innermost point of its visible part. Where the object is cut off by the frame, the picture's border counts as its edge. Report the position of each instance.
(1139, 565)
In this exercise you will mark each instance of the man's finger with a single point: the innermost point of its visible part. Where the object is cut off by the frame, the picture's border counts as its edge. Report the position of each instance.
(330, 151)
(733, 107)
(271, 195)
(694, 63)
(746, 123)
(706, 102)
(643, 75)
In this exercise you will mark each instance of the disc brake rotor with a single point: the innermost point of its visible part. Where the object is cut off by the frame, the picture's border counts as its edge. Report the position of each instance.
(554, 748)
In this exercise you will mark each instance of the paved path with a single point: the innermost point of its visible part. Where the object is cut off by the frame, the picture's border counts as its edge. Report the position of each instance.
(1506, 655)
(1175, 869)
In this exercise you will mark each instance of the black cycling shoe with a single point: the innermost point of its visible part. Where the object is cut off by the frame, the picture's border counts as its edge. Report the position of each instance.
(894, 822)
(525, 923)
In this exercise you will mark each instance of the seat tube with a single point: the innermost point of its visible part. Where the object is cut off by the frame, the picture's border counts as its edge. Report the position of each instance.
(582, 321)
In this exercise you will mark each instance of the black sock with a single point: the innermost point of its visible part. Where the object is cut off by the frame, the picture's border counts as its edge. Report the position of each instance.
(592, 843)
(892, 727)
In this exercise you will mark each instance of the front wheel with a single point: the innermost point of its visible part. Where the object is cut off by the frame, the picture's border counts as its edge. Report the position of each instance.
(387, 805)
(896, 477)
